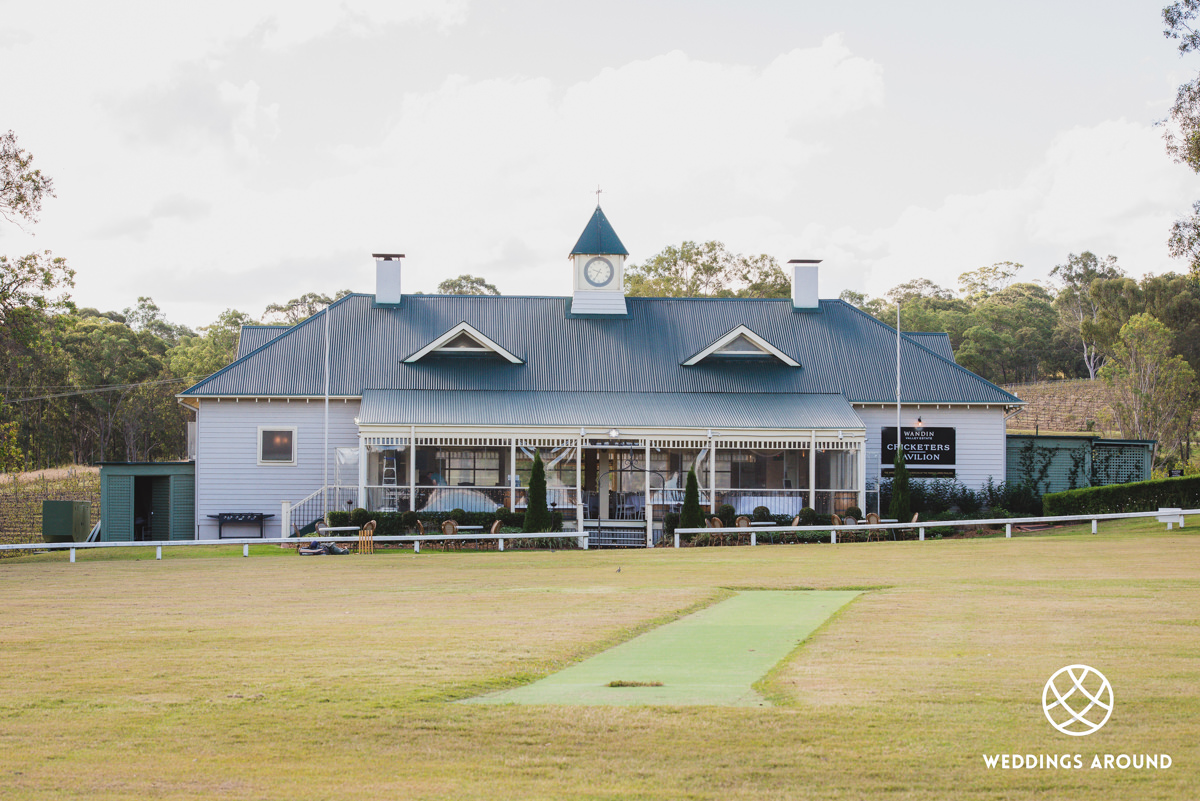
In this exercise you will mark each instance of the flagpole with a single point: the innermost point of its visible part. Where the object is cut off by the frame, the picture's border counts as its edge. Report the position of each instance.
(899, 446)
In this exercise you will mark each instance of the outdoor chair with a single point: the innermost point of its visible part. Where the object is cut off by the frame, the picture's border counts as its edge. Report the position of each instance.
(450, 528)
(842, 536)
(716, 539)
(743, 538)
(495, 531)
(873, 520)
(908, 527)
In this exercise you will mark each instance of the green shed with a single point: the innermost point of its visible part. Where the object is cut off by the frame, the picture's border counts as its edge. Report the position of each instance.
(1057, 462)
(147, 501)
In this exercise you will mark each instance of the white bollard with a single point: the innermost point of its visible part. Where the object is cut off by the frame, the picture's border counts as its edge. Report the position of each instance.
(922, 534)
(246, 549)
(158, 553)
(676, 539)
(1093, 526)
(753, 538)
(1008, 529)
(501, 541)
(72, 556)
(833, 536)
(416, 546)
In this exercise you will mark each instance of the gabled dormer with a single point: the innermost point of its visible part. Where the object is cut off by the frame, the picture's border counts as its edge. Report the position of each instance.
(463, 340)
(741, 343)
(598, 262)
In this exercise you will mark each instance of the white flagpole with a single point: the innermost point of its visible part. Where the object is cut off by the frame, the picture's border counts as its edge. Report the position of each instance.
(325, 453)
(899, 446)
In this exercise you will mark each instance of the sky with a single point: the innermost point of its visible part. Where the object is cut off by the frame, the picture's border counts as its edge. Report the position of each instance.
(232, 154)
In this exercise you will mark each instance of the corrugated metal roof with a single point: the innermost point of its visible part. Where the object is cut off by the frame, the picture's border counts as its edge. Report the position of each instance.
(605, 410)
(253, 337)
(843, 351)
(599, 237)
(937, 342)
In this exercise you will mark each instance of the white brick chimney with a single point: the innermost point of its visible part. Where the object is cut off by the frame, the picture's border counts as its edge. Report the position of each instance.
(387, 278)
(804, 284)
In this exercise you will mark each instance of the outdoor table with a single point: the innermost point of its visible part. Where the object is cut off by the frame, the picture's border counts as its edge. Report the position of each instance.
(240, 517)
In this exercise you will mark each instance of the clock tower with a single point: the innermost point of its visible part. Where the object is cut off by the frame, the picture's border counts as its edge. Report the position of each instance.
(598, 269)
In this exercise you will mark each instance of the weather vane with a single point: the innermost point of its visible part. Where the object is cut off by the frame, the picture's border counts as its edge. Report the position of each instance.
(598, 191)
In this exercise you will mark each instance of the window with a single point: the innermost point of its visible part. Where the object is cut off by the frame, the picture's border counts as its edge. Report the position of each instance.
(276, 445)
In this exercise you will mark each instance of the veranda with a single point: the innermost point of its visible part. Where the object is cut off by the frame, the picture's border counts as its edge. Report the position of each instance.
(612, 475)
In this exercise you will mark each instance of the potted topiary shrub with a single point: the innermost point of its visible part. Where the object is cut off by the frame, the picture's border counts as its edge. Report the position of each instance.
(761, 514)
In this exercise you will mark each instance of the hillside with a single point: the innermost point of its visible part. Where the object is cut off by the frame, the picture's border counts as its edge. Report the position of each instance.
(1076, 405)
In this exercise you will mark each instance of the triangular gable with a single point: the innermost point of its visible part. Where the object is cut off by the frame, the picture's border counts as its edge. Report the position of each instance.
(463, 339)
(741, 342)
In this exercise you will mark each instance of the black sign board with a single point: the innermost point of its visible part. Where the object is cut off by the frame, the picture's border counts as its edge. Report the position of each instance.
(923, 445)
(921, 472)
(1175, 474)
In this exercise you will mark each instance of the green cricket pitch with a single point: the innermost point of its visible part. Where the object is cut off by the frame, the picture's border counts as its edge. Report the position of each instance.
(711, 657)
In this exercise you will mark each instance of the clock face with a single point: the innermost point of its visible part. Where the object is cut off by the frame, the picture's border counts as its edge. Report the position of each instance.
(598, 271)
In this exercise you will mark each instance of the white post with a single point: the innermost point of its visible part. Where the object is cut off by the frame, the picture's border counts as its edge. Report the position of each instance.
(753, 538)
(416, 546)
(862, 476)
(833, 536)
(582, 542)
(158, 553)
(812, 470)
(648, 507)
(1093, 526)
(922, 533)
(712, 476)
(246, 549)
(72, 556)
(899, 445)
(1008, 529)
(285, 519)
(412, 468)
(512, 475)
(501, 541)
(676, 539)
(362, 472)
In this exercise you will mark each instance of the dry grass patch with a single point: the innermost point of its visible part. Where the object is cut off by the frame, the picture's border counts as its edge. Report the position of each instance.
(297, 678)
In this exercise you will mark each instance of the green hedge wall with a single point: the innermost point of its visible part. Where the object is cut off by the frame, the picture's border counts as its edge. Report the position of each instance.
(1139, 496)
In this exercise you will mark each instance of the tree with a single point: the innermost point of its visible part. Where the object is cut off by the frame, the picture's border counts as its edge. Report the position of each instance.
(1183, 127)
(199, 356)
(1152, 393)
(537, 515)
(147, 317)
(707, 271)
(21, 188)
(988, 280)
(12, 458)
(299, 309)
(901, 507)
(1078, 310)
(466, 285)
(691, 515)
(1011, 334)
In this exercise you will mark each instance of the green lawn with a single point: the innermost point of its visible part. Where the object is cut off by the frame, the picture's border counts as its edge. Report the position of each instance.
(336, 677)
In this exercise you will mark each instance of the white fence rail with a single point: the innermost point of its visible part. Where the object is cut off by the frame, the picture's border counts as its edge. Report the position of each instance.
(1169, 516)
(158, 545)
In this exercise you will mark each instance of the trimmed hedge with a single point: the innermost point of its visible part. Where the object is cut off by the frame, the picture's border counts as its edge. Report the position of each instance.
(1139, 496)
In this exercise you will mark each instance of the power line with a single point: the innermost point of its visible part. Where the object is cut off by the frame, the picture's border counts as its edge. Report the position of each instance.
(107, 388)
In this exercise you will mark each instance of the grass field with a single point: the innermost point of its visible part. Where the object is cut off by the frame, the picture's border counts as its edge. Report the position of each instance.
(214, 676)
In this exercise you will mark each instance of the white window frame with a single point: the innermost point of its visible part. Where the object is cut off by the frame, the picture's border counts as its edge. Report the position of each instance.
(275, 462)
(485, 345)
(742, 331)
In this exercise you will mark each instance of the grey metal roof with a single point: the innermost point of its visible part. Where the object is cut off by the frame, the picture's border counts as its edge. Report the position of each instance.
(937, 342)
(605, 410)
(599, 237)
(253, 337)
(842, 349)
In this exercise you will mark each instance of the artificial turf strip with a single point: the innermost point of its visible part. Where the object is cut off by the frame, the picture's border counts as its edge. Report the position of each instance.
(709, 658)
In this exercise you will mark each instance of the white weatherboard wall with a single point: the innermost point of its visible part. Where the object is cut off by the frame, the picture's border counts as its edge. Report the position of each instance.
(979, 444)
(228, 476)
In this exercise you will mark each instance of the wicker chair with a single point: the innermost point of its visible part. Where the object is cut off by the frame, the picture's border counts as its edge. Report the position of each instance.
(743, 537)
(875, 533)
(494, 530)
(450, 528)
(842, 536)
(715, 523)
